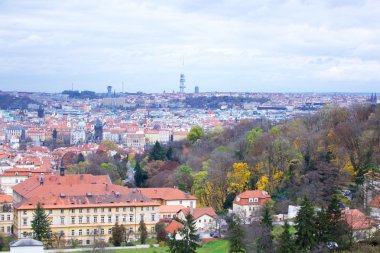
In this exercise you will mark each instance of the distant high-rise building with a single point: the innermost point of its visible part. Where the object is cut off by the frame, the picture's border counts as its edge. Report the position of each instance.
(182, 83)
(196, 89)
(109, 91)
(98, 135)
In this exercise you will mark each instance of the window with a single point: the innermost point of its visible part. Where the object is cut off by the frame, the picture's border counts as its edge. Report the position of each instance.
(255, 200)
(102, 210)
(152, 229)
(124, 209)
(250, 200)
(50, 211)
(102, 231)
(87, 242)
(2, 217)
(80, 210)
(110, 231)
(102, 219)
(8, 217)
(124, 219)
(72, 220)
(153, 217)
(80, 219)
(117, 209)
(80, 232)
(62, 210)
(25, 222)
(130, 217)
(237, 199)
(95, 219)
(73, 232)
(25, 212)
(200, 221)
(109, 209)
(180, 202)
(131, 209)
(95, 231)
(142, 208)
(142, 217)
(72, 210)
(88, 210)
(109, 219)
(8, 229)
(62, 220)
(88, 219)
(87, 231)
(152, 208)
(130, 230)
(117, 218)
(2, 229)
(95, 210)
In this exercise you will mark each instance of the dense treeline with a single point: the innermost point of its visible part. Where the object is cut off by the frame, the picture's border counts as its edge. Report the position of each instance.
(315, 156)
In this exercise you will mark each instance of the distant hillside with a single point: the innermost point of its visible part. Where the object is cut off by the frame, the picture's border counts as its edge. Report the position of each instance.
(11, 102)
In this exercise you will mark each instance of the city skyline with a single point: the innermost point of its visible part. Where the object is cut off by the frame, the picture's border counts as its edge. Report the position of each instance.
(272, 46)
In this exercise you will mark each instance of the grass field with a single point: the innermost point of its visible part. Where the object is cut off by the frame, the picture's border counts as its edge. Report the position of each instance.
(220, 246)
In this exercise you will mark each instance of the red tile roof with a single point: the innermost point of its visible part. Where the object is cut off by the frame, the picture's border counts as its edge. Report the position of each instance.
(173, 227)
(5, 198)
(375, 202)
(199, 212)
(357, 220)
(166, 194)
(244, 197)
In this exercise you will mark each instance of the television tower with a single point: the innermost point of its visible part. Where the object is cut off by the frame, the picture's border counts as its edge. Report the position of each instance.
(182, 79)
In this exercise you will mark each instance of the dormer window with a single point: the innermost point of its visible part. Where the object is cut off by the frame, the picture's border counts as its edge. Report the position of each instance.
(237, 199)
(250, 200)
(255, 200)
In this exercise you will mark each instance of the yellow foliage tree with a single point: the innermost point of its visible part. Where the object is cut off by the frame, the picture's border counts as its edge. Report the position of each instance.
(238, 179)
(262, 183)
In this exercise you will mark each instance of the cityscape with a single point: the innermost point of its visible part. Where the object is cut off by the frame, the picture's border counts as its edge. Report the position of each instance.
(189, 127)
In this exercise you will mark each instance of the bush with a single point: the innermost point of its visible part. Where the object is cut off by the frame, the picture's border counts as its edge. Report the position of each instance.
(162, 244)
(130, 244)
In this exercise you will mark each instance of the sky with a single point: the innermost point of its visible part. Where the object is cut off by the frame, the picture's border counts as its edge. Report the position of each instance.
(225, 45)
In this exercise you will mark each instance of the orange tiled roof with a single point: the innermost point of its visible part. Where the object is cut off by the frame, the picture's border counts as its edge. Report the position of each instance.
(262, 197)
(171, 209)
(199, 212)
(5, 198)
(356, 219)
(173, 227)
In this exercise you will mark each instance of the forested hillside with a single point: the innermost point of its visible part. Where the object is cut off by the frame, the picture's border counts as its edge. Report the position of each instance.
(314, 156)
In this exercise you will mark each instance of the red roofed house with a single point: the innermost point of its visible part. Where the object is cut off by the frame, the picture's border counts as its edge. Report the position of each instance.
(362, 227)
(170, 196)
(249, 203)
(204, 217)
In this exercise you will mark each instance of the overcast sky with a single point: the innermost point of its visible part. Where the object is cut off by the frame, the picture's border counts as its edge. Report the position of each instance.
(231, 45)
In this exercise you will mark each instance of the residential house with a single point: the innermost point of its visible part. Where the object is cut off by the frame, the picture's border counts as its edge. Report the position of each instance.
(170, 196)
(362, 227)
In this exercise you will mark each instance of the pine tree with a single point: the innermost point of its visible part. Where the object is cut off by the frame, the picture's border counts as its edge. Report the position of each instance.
(140, 176)
(157, 153)
(169, 154)
(235, 235)
(40, 224)
(305, 226)
(143, 232)
(80, 158)
(265, 242)
(189, 241)
(286, 242)
(54, 134)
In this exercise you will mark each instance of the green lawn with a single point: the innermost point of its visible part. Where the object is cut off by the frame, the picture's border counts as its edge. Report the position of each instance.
(277, 230)
(220, 246)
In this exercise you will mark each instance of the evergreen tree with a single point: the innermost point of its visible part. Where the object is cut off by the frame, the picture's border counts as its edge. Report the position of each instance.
(140, 176)
(80, 158)
(40, 224)
(235, 235)
(169, 154)
(54, 134)
(286, 242)
(305, 226)
(143, 232)
(118, 234)
(189, 241)
(265, 242)
(157, 153)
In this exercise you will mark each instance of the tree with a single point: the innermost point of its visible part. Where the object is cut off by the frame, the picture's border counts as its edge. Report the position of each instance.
(305, 226)
(286, 242)
(140, 176)
(143, 232)
(80, 158)
(157, 153)
(265, 242)
(40, 224)
(189, 241)
(235, 234)
(162, 235)
(184, 178)
(54, 134)
(118, 234)
(254, 134)
(169, 154)
(238, 179)
(196, 132)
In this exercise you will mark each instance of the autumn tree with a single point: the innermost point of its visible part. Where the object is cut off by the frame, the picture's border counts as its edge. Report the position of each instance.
(196, 132)
(118, 234)
(238, 179)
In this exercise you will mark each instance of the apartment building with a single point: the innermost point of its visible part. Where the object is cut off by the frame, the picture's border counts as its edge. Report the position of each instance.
(82, 207)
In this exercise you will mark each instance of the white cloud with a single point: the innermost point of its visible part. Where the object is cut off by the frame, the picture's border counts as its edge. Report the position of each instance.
(270, 43)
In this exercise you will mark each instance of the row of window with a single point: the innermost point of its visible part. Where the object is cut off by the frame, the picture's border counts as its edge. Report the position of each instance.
(3, 217)
(2, 229)
(117, 209)
(101, 231)
(109, 219)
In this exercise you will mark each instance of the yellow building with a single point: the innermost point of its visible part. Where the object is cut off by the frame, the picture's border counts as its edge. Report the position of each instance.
(82, 207)
(6, 214)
